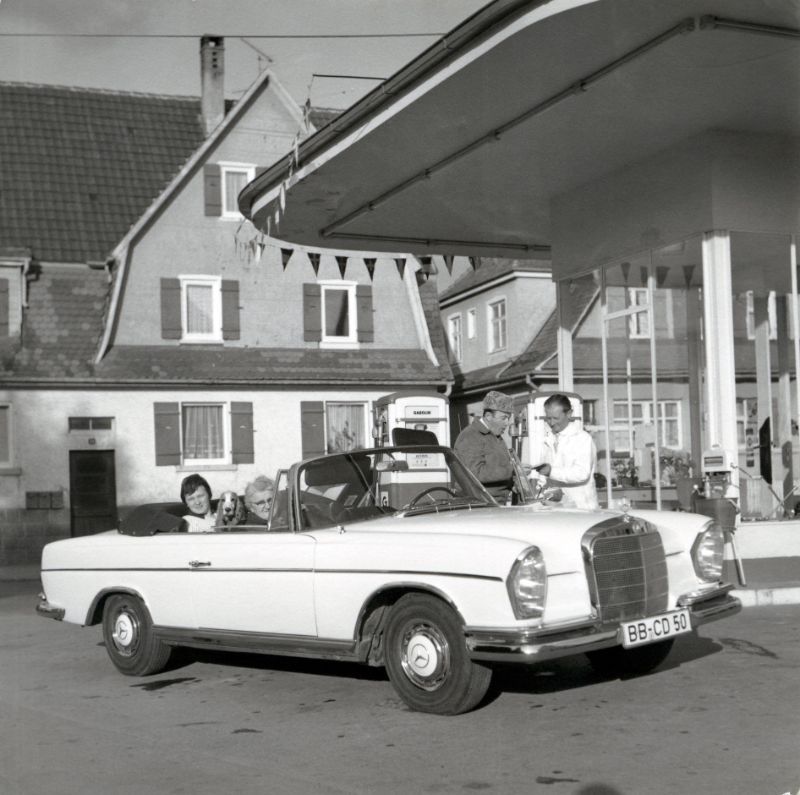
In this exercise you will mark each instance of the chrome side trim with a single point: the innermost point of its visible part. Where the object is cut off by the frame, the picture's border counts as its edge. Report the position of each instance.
(260, 643)
(46, 610)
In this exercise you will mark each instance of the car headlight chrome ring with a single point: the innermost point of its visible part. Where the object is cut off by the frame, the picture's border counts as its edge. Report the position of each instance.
(708, 552)
(527, 584)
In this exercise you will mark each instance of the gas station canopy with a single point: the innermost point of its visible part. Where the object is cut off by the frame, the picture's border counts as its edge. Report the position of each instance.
(464, 150)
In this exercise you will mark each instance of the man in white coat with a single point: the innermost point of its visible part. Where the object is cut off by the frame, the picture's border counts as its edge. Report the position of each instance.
(570, 457)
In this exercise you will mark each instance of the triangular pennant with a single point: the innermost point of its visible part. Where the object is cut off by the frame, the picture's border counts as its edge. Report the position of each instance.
(286, 254)
(448, 263)
(297, 149)
(342, 263)
(662, 271)
(625, 267)
(369, 263)
(643, 274)
(401, 265)
(688, 273)
(261, 246)
(475, 262)
(283, 196)
(307, 113)
(313, 258)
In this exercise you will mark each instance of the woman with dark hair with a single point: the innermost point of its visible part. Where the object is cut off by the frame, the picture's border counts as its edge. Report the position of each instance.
(196, 496)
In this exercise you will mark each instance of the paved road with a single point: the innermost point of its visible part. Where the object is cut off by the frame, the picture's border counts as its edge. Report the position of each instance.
(722, 715)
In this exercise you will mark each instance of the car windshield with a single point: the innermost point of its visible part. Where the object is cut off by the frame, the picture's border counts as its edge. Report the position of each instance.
(366, 484)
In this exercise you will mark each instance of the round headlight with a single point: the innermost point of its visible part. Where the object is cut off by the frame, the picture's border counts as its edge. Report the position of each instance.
(527, 584)
(708, 552)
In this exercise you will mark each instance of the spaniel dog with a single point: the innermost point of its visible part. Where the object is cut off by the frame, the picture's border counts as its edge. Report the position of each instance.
(230, 510)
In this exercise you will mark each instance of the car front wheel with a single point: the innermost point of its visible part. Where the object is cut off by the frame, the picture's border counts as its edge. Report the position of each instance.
(129, 639)
(426, 658)
(618, 661)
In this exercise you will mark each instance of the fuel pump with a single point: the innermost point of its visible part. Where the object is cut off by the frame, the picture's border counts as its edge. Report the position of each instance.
(717, 496)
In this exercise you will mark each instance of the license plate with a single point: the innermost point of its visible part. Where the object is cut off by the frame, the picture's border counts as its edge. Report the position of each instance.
(655, 628)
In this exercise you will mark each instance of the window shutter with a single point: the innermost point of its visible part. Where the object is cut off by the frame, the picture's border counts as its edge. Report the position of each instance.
(168, 433)
(242, 433)
(366, 329)
(230, 310)
(171, 309)
(4, 307)
(312, 313)
(212, 184)
(312, 425)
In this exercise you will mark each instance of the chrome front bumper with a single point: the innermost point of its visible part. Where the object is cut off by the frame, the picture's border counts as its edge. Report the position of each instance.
(45, 609)
(548, 643)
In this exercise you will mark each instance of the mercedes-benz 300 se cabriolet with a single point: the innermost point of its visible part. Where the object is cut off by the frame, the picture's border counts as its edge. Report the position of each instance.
(396, 557)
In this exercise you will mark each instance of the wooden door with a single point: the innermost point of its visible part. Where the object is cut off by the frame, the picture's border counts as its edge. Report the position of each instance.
(93, 491)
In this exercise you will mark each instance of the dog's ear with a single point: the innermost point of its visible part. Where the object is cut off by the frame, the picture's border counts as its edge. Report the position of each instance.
(241, 511)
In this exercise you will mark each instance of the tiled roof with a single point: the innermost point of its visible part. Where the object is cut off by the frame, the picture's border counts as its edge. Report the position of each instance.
(490, 268)
(61, 325)
(79, 166)
(264, 366)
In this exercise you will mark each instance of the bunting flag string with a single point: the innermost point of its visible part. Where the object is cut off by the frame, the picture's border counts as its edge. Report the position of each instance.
(342, 263)
(401, 265)
(448, 263)
(286, 254)
(643, 273)
(688, 273)
(313, 258)
(625, 267)
(369, 263)
(474, 262)
(662, 271)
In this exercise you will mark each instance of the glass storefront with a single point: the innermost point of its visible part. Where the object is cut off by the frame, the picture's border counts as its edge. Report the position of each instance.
(641, 347)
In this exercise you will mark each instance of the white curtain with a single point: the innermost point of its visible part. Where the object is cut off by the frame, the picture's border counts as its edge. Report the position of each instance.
(345, 423)
(202, 432)
(199, 309)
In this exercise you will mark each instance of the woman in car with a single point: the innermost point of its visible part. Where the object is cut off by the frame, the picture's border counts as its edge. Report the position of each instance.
(196, 496)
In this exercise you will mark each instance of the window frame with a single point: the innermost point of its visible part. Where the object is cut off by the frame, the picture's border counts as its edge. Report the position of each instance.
(215, 282)
(225, 423)
(455, 336)
(640, 319)
(226, 168)
(334, 341)
(497, 323)
(616, 423)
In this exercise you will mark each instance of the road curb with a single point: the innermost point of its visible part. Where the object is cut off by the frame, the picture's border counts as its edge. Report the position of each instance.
(760, 597)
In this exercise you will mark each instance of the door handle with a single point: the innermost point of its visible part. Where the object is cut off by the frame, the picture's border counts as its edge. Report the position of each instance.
(197, 564)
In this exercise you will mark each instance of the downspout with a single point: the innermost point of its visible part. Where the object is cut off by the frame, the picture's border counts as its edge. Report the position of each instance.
(418, 314)
(120, 257)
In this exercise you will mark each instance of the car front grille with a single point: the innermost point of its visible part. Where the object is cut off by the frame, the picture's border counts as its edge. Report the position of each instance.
(627, 570)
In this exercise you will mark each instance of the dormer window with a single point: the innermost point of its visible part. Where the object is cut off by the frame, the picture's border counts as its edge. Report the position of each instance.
(337, 314)
(200, 309)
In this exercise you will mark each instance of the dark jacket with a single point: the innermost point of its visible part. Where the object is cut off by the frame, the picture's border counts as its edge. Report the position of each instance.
(487, 457)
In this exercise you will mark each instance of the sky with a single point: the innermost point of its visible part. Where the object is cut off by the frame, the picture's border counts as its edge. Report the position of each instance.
(111, 58)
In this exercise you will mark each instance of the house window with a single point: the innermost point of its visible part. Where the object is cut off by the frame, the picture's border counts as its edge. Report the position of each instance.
(471, 321)
(233, 178)
(497, 325)
(90, 423)
(623, 425)
(345, 426)
(5, 434)
(195, 433)
(338, 314)
(772, 315)
(201, 308)
(203, 432)
(454, 335)
(639, 322)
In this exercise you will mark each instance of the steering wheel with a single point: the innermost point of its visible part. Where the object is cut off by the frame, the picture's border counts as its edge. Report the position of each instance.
(427, 493)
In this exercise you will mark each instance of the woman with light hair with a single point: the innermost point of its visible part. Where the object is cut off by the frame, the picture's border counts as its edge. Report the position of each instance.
(258, 500)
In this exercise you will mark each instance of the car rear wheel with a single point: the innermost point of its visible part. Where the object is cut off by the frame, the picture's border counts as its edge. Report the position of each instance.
(426, 658)
(618, 661)
(129, 639)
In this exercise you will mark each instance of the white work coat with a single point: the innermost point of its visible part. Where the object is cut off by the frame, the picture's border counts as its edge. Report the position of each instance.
(573, 459)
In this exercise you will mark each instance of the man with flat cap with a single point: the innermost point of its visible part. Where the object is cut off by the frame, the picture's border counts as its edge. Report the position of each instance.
(482, 449)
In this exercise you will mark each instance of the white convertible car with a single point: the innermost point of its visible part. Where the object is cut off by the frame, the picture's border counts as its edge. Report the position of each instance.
(397, 557)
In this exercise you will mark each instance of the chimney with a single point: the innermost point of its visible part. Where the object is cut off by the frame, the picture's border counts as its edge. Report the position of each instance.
(212, 81)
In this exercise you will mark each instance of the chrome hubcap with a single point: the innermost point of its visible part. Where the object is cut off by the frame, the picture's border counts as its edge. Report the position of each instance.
(125, 633)
(425, 656)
